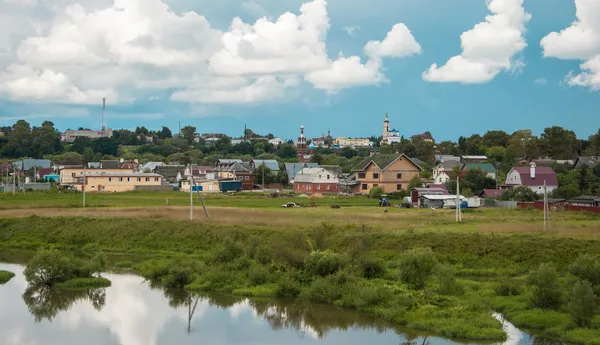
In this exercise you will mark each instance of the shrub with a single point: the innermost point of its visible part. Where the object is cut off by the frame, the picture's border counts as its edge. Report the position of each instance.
(263, 255)
(547, 293)
(582, 303)
(371, 268)
(586, 267)
(507, 287)
(375, 193)
(5, 276)
(331, 288)
(228, 251)
(92, 248)
(416, 265)
(124, 264)
(447, 281)
(324, 263)
(48, 267)
(258, 275)
(177, 276)
(287, 287)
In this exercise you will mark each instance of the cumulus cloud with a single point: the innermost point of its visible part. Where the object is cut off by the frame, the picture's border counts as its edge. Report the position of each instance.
(580, 41)
(80, 52)
(487, 49)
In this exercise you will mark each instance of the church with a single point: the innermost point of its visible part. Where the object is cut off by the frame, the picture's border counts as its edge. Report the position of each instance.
(389, 136)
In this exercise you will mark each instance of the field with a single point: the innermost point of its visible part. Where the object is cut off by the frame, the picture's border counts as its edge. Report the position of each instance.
(353, 256)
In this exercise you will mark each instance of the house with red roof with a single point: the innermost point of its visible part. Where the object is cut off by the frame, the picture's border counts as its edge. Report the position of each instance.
(533, 177)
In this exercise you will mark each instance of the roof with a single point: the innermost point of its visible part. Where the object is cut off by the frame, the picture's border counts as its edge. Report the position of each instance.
(475, 157)
(236, 167)
(45, 171)
(293, 168)
(442, 197)
(492, 193)
(95, 165)
(123, 174)
(586, 198)
(169, 171)
(151, 165)
(198, 170)
(110, 164)
(336, 169)
(449, 165)
(438, 186)
(417, 161)
(444, 158)
(312, 174)
(272, 164)
(487, 167)
(228, 161)
(436, 190)
(541, 174)
(28, 163)
(551, 200)
(590, 161)
(381, 161)
(424, 136)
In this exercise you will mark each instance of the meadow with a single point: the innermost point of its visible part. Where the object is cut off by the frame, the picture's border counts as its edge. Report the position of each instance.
(414, 267)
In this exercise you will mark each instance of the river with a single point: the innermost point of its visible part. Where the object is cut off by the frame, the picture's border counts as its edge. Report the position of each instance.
(131, 312)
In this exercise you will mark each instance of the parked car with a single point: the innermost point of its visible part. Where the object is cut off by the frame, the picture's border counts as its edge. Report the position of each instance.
(290, 204)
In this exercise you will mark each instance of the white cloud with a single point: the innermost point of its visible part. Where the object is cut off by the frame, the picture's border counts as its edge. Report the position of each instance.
(580, 41)
(487, 49)
(255, 8)
(541, 81)
(65, 52)
(399, 42)
(351, 30)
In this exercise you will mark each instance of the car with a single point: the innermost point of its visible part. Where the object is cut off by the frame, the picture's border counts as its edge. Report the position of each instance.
(290, 204)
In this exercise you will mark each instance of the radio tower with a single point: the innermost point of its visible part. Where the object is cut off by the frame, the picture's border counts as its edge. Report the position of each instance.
(103, 108)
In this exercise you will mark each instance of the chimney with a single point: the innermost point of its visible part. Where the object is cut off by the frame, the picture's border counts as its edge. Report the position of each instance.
(532, 170)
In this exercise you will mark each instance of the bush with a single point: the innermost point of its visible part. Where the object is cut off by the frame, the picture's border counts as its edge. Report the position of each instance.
(371, 268)
(375, 193)
(177, 276)
(586, 267)
(416, 265)
(48, 267)
(507, 287)
(5, 276)
(447, 281)
(84, 283)
(324, 263)
(228, 251)
(547, 293)
(287, 287)
(258, 275)
(263, 255)
(582, 303)
(124, 264)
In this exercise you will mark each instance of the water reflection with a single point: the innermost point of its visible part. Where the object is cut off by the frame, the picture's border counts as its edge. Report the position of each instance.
(45, 303)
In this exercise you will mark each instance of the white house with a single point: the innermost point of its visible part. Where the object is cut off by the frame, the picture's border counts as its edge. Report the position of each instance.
(442, 172)
(533, 177)
(316, 180)
(276, 141)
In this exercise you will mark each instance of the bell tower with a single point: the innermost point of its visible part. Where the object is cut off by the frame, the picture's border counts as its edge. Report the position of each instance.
(301, 148)
(386, 127)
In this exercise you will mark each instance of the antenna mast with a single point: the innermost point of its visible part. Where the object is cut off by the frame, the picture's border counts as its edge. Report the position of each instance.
(103, 109)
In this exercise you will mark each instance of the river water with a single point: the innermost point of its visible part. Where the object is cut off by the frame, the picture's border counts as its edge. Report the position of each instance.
(131, 312)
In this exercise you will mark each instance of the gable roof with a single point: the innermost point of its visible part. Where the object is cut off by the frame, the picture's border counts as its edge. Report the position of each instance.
(335, 169)
(590, 161)
(110, 164)
(487, 167)
(309, 175)
(28, 163)
(438, 186)
(449, 165)
(228, 161)
(272, 164)
(169, 171)
(541, 174)
(491, 193)
(151, 165)
(293, 168)
(382, 161)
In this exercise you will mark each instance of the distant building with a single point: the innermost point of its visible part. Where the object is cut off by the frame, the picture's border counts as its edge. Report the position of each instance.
(70, 135)
(425, 136)
(390, 135)
(291, 169)
(353, 142)
(446, 158)
(276, 141)
(473, 159)
(491, 193)
(588, 161)
(238, 171)
(323, 140)
(169, 172)
(116, 181)
(488, 168)
(272, 164)
(443, 171)
(316, 180)
(149, 167)
(390, 172)
(302, 151)
(532, 177)
(129, 164)
(71, 175)
(110, 164)
(27, 164)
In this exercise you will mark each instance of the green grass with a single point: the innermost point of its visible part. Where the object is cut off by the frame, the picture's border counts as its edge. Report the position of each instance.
(84, 283)
(5, 276)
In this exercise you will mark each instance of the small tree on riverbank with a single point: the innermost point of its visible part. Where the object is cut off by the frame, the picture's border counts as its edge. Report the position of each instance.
(416, 266)
(547, 293)
(582, 303)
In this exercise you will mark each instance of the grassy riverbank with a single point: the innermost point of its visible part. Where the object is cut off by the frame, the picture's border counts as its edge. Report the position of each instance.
(356, 259)
(5, 276)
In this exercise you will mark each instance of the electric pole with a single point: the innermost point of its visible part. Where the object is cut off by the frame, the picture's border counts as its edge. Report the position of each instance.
(263, 175)
(458, 212)
(84, 182)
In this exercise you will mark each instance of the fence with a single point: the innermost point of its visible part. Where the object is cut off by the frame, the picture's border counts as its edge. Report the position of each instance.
(502, 204)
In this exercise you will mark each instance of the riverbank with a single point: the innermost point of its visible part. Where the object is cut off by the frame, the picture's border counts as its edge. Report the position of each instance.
(5, 276)
(356, 265)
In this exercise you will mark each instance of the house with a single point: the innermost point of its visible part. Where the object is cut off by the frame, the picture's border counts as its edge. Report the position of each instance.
(473, 159)
(27, 164)
(491, 193)
(221, 162)
(316, 180)
(198, 171)
(446, 158)
(353, 142)
(169, 172)
(589, 161)
(391, 172)
(276, 141)
(291, 169)
(585, 201)
(208, 185)
(95, 181)
(110, 164)
(348, 184)
(237, 171)
(417, 194)
(442, 173)
(150, 166)
(438, 186)
(272, 164)
(533, 177)
(93, 165)
(425, 136)
(129, 164)
(70, 135)
(42, 172)
(71, 175)
(488, 168)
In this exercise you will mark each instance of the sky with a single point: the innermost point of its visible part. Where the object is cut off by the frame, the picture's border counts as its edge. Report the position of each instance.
(449, 67)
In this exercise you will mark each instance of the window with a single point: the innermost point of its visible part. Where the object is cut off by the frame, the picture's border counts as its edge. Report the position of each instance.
(129, 179)
(120, 179)
(328, 187)
(362, 175)
(328, 177)
(110, 179)
(247, 178)
(375, 175)
(375, 185)
(318, 187)
(139, 179)
(73, 174)
(147, 179)
(298, 187)
(398, 187)
(399, 176)
(156, 179)
(364, 187)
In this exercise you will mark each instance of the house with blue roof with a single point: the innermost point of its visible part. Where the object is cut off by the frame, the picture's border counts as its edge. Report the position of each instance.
(272, 164)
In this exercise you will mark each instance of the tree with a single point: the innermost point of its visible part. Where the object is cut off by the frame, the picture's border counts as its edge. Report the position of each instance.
(524, 194)
(375, 193)
(586, 267)
(165, 133)
(268, 175)
(19, 140)
(546, 291)
(582, 303)
(416, 266)
(47, 268)
(558, 143)
(476, 180)
(496, 153)
(496, 138)
(447, 148)
(188, 133)
(105, 146)
(522, 144)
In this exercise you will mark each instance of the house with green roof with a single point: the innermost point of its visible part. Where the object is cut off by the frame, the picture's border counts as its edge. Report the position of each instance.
(488, 168)
(390, 172)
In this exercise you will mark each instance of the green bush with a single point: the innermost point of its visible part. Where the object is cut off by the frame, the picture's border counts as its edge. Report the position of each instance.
(124, 264)
(546, 292)
(84, 283)
(228, 251)
(416, 265)
(375, 193)
(258, 275)
(582, 303)
(263, 255)
(586, 267)
(507, 287)
(447, 281)
(177, 276)
(331, 288)
(5, 276)
(324, 263)
(371, 268)
(287, 286)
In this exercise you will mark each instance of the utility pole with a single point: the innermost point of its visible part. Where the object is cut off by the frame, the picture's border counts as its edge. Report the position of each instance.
(191, 200)
(458, 211)
(103, 109)
(84, 182)
(546, 209)
(193, 182)
(263, 175)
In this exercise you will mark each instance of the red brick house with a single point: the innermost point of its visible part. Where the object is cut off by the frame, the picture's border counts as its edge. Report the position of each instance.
(316, 180)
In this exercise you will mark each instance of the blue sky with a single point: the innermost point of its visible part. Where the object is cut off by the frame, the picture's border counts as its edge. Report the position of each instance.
(535, 96)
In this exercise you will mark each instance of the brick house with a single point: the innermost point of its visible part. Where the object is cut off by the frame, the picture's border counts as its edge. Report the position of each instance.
(391, 172)
(316, 180)
(236, 171)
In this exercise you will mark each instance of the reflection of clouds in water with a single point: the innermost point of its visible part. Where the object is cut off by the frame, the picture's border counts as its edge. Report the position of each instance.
(513, 335)
(240, 308)
(133, 313)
